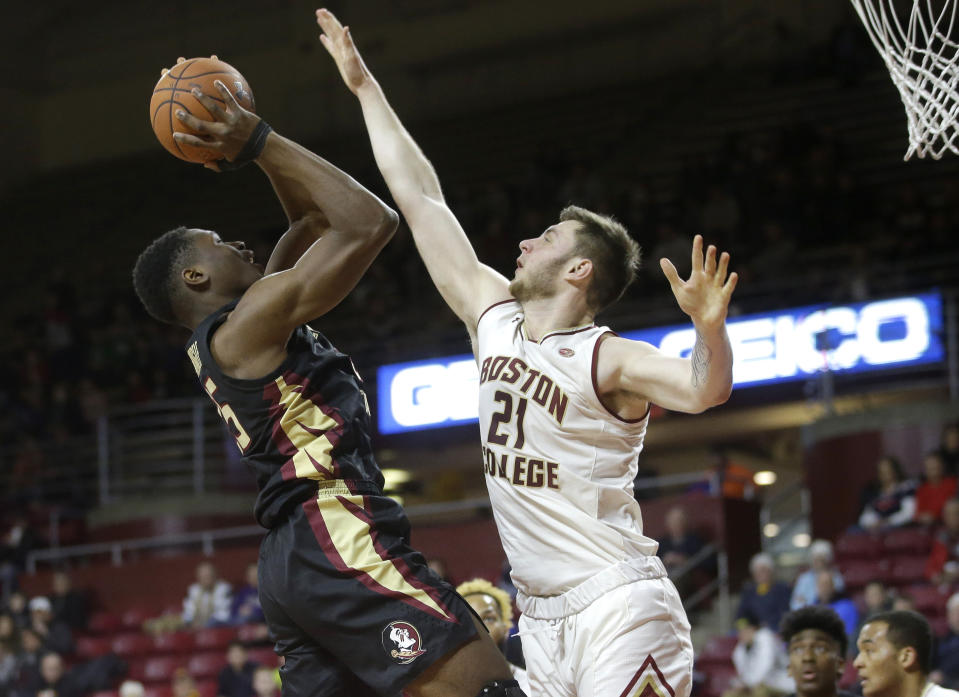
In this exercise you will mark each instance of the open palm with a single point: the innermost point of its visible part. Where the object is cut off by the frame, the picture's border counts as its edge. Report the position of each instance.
(705, 296)
(337, 41)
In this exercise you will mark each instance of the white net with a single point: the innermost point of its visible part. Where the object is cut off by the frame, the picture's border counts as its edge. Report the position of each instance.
(921, 56)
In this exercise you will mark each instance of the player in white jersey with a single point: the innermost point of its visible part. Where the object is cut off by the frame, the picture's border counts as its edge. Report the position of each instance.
(895, 657)
(563, 411)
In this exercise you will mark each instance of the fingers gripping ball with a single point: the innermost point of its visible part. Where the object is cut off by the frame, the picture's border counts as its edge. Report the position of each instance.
(173, 93)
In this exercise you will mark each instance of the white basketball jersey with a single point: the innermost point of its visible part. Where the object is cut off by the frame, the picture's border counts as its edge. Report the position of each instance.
(559, 465)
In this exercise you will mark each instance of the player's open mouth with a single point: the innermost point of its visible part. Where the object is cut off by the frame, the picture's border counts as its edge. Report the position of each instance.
(809, 675)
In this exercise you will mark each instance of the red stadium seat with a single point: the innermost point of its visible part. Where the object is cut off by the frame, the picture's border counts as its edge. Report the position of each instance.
(177, 642)
(940, 625)
(265, 656)
(215, 637)
(250, 633)
(103, 693)
(912, 541)
(132, 644)
(720, 679)
(907, 570)
(88, 647)
(157, 691)
(207, 688)
(860, 572)
(717, 651)
(928, 599)
(159, 668)
(104, 623)
(858, 546)
(207, 664)
(134, 617)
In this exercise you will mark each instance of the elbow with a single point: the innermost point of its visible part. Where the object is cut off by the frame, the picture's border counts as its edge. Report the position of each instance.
(388, 223)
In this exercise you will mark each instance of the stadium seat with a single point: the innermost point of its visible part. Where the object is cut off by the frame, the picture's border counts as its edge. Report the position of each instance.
(207, 688)
(717, 651)
(134, 617)
(88, 647)
(157, 691)
(940, 625)
(928, 599)
(907, 570)
(158, 668)
(104, 623)
(214, 637)
(249, 633)
(912, 541)
(858, 546)
(103, 693)
(132, 644)
(264, 656)
(207, 664)
(859, 572)
(177, 642)
(720, 679)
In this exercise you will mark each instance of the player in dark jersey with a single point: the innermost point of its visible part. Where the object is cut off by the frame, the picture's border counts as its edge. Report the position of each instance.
(354, 610)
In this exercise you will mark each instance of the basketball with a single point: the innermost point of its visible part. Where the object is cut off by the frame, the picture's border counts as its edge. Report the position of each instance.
(173, 92)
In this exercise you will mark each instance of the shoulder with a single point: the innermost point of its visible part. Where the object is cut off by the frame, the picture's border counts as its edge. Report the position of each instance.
(501, 309)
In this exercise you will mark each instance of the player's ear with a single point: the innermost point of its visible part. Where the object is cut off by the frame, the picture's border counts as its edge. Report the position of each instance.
(579, 269)
(908, 658)
(195, 277)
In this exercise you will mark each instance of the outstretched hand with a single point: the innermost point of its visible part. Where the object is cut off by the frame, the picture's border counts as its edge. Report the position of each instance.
(705, 296)
(336, 39)
(227, 133)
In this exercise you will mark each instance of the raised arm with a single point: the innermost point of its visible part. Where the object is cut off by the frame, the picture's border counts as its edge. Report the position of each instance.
(349, 226)
(467, 285)
(634, 370)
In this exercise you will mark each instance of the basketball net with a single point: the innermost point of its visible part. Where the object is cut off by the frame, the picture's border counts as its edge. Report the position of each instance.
(921, 59)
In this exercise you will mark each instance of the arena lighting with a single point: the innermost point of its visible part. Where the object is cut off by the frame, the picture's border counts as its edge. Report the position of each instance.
(393, 477)
(769, 348)
(802, 540)
(764, 478)
(770, 529)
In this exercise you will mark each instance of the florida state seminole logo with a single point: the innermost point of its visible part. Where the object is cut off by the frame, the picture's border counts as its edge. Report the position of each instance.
(402, 642)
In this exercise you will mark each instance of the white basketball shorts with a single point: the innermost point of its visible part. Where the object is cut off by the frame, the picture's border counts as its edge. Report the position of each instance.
(622, 633)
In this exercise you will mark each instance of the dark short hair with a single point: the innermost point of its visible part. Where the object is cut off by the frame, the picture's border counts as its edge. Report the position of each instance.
(615, 255)
(155, 272)
(896, 466)
(908, 628)
(818, 617)
(748, 617)
(237, 643)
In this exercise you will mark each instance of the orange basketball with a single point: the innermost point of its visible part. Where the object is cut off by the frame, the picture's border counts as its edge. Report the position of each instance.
(172, 93)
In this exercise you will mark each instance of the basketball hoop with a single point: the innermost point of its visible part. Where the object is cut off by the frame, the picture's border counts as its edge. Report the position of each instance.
(921, 58)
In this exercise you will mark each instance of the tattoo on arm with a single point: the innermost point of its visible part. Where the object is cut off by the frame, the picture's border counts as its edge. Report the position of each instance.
(702, 355)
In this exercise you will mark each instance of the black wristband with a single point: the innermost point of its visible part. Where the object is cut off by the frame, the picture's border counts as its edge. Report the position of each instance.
(254, 146)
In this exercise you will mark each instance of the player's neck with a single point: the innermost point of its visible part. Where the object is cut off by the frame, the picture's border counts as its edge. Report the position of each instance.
(913, 685)
(547, 315)
(204, 307)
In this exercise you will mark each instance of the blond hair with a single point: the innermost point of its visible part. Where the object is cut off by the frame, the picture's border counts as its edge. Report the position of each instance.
(484, 587)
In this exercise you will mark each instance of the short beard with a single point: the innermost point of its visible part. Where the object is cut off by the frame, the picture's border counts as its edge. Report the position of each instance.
(536, 286)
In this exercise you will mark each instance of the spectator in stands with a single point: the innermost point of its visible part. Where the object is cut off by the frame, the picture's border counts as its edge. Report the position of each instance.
(764, 597)
(947, 649)
(236, 678)
(894, 503)
(494, 607)
(245, 608)
(895, 656)
(842, 606)
(949, 449)
(16, 545)
(942, 567)
(9, 632)
(820, 559)
(131, 688)
(903, 602)
(264, 683)
(183, 685)
(17, 607)
(817, 644)
(69, 605)
(934, 491)
(8, 668)
(679, 545)
(761, 663)
(207, 603)
(875, 599)
(55, 635)
(54, 680)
